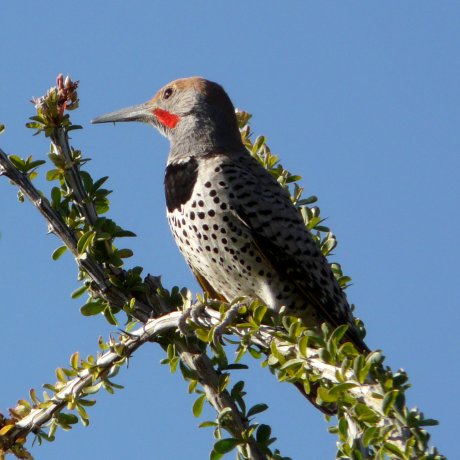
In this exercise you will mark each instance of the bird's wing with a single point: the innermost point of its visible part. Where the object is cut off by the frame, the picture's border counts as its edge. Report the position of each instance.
(281, 237)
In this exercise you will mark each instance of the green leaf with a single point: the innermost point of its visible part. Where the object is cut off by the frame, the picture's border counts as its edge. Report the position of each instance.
(52, 430)
(34, 164)
(310, 200)
(207, 424)
(60, 375)
(254, 353)
(93, 308)
(198, 405)
(87, 402)
(85, 240)
(223, 412)
(257, 409)
(99, 182)
(393, 449)
(237, 388)
(258, 143)
(259, 313)
(369, 435)
(83, 415)
(203, 334)
(428, 422)
(171, 351)
(53, 174)
(293, 362)
(58, 253)
(79, 291)
(338, 333)
(366, 414)
(110, 317)
(292, 178)
(234, 366)
(67, 419)
(124, 253)
(73, 127)
(343, 428)
(5, 429)
(325, 395)
(33, 396)
(263, 433)
(50, 387)
(17, 161)
(75, 360)
(226, 445)
(87, 180)
(215, 455)
(55, 196)
(124, 233)
(341, 387)
(92, 389)
(389, 400)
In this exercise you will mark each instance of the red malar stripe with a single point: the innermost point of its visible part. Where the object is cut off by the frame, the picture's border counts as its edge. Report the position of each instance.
(166, 118)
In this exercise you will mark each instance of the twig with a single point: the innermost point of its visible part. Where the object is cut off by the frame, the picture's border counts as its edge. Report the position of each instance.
(75, 387)
(60, 143)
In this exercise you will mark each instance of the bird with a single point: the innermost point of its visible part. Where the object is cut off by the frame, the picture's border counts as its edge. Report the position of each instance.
(233, 222)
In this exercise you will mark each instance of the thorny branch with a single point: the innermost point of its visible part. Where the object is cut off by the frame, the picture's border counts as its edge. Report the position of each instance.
(40, 416)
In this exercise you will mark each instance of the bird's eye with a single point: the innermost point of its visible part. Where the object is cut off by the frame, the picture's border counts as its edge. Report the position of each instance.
(167, 93)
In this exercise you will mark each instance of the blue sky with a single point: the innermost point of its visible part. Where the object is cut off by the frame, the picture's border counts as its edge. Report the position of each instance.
(360, 98)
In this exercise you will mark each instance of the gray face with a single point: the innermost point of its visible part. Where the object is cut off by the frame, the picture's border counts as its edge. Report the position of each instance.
(193, 113)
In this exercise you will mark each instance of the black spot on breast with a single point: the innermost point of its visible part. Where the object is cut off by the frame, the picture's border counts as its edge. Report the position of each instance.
(180, 179)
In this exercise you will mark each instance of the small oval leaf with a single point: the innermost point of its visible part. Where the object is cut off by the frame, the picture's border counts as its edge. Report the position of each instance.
(58, 252)
(226, 445)
(198, 405)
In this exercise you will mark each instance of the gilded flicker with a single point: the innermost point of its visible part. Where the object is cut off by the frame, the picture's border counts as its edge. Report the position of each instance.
(235, 225)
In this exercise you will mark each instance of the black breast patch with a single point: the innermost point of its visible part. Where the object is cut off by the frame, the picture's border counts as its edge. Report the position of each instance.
(180, 179)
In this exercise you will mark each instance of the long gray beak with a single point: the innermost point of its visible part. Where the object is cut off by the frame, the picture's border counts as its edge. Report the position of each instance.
(141, 112)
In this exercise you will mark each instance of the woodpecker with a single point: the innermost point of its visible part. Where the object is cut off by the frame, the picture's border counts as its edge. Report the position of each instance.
(235, 225)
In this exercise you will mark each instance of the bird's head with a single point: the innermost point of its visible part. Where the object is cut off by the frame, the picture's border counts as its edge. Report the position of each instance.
(187, 111)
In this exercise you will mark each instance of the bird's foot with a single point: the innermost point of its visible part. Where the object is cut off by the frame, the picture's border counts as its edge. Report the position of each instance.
(195, 312)
(227, 320)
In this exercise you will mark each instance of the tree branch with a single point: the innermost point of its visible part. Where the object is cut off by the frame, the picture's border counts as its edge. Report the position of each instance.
(60, 143)
(74, 388)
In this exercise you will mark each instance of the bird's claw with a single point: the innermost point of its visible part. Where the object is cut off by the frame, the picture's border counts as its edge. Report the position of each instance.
(194, 312)
(221, 328)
